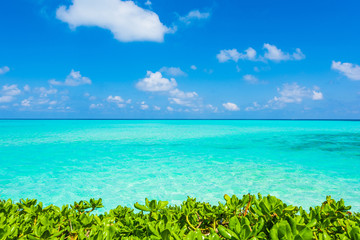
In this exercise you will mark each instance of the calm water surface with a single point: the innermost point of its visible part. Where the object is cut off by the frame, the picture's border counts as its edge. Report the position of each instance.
(61, 161)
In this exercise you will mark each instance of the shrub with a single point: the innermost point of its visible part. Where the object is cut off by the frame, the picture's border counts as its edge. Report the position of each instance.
(249, 217)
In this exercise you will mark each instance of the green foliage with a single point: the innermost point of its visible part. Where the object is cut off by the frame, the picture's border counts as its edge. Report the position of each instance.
(249, 217)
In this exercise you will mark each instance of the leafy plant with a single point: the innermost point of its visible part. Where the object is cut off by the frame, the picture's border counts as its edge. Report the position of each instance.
(249, 217)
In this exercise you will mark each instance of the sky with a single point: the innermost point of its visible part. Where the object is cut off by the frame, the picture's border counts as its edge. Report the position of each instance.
(180, 59)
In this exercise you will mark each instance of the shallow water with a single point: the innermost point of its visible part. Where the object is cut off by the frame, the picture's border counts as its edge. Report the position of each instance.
(124, 161)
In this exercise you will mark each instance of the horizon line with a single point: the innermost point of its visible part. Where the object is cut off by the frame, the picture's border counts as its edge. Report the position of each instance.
(229, 119)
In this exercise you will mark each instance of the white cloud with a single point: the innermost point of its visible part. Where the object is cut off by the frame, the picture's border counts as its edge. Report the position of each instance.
(155, 82)
(4, 70)
(275, 54)
(45, 92)
(148, 3)
(26, 88)
(89, 96)
(250, 79)
(26, 102)
(172, 71)
(250, 54)
(194, 15)
(116, 99)
(10, 90)
(254, 107)
(127, 21)
(157, 108)
(231, 106)
(352, 71)
(179, 101)
(234, 55)
(289, 93)
(193, 67)
(43, 101)
(180, 94)
(226, 55)
(212, 108)
(170, 109)
(6, 99)
(94, 106)
(293, 93)
(298, 55)
(317, 95)
(182, 98)
(73, 79)
(119, 101)
(144, 106)
(271, 53)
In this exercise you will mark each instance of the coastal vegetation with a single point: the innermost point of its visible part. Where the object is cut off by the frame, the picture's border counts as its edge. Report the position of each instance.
(249, 217)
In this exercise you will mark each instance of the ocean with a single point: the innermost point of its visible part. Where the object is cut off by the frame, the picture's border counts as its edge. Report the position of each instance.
(124, 161)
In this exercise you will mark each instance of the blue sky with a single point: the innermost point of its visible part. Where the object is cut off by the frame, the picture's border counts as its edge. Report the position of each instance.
(179, 59)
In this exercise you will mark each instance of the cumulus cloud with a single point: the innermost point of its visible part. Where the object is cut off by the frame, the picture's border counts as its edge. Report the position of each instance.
(4, 69)
(183, 98)
(116, 99)
(254, 107)
(95, 106)
(119, 101)
(155, 82)
(181, 94)
(172, 71)
(6, 99)
(44, 92)
(10, 90)
(351, 71)
(212, 108)
(293, 93)
(157, 108)
(73, 79)
(26, 102)
(194, 15)
(272, 53)
(287, 94)
(89, 96)
(298, 54)
(234, 55)
(231, 106)
(8, 93)
(170, 109)
(317, 95)
(26, 88)
(193, 67)
(127, 21)
(250, 79)
(144, 106)
(148, 3)
(275, 54)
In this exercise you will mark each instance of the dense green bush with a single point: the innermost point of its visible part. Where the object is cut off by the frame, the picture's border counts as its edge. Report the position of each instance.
(250, 217)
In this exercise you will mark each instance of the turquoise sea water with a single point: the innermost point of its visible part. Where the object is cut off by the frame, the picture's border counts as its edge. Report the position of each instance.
(61, 161)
